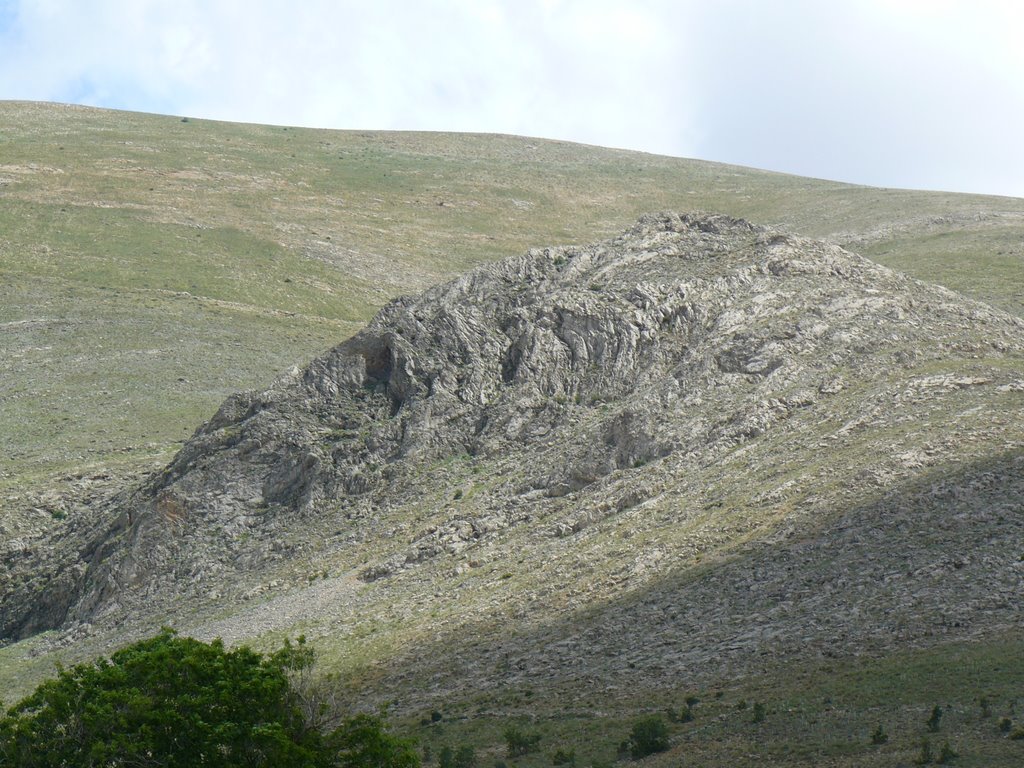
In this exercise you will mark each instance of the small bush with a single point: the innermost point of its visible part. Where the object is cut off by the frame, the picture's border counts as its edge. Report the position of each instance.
(686, 714)
(986, 710)
(925, 756)
(759, 713)
(1018, 735)
(934, 719)
(946, 755)
(564, 757)
(879, 736)
(519, 742)
(649, 735)
(692, 701)
(446, 757)
(465, 757)
(1005, 724)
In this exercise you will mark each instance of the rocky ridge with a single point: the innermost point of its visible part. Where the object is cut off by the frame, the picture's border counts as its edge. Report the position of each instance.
(733, 438)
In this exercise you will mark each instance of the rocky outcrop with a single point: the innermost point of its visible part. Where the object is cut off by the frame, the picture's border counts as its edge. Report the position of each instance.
(695, 376)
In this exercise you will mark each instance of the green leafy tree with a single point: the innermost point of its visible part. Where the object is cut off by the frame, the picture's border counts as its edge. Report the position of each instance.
(649, 735)
(174, 702)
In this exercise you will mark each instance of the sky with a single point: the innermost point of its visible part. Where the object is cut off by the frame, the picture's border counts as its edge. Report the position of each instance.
(925, 94)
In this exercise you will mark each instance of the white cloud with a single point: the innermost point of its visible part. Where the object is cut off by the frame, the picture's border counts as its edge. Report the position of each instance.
(872, 92)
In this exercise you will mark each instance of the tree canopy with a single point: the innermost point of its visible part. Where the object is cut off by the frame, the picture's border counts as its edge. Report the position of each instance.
(172, 702)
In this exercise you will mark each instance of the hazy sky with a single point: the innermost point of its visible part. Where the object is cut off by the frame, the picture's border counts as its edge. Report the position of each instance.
(909, 93)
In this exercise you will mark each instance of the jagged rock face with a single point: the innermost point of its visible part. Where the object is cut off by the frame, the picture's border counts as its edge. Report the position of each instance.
(588, 380)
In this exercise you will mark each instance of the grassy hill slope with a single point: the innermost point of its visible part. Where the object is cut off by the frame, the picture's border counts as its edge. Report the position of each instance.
(150, 265)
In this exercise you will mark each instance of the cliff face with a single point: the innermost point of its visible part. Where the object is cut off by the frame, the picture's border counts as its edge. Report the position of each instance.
(592, 422)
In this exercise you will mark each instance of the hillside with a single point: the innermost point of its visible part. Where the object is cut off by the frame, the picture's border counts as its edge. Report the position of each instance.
(669, 456)
(152, 265)
(689, 454)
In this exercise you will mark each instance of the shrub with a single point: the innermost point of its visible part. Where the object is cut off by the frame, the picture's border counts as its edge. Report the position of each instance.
(879, 736)
(649, 735)
(925, 756)
(759, 713)
(465, 757)
(934, 719)
(1005, 724)
(520, 743)
(563, 757)
(946, 755)
(986, 710)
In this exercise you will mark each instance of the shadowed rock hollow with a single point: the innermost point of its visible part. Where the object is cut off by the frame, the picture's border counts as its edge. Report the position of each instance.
(584, 424)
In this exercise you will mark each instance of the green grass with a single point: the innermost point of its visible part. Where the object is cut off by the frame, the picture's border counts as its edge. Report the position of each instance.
(816, 714)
